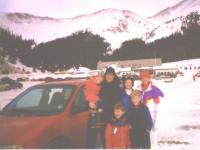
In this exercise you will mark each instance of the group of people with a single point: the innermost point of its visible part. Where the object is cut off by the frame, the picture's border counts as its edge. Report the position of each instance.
(120, 116)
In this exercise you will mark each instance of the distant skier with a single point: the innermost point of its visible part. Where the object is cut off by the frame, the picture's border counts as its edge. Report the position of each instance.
(194, 77)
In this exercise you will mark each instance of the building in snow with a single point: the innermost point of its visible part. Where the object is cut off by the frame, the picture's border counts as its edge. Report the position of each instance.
(164, 70)
(137, 63)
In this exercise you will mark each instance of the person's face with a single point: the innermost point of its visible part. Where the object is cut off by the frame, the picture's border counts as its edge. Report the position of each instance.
(118, 113)
(109, 77)
(136, 100)
(145, 80)
(128, 84)
(98, 79)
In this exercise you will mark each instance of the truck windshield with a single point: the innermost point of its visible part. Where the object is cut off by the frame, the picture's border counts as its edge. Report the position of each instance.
(42, 100)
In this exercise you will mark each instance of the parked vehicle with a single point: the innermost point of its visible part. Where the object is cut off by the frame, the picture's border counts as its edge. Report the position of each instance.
(49, 115)
(8, 84)
(157, 78)
(197, 74)
(168, 79)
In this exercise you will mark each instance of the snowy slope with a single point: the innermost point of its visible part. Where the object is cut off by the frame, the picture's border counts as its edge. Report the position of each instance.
(115, 26)
(165, 29)
(178, 114)
(169, 20)
(181, 9)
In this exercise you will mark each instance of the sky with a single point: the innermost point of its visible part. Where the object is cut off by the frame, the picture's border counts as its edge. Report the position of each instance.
(72, 8)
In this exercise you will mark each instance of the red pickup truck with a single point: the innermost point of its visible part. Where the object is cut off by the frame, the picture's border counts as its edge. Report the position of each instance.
(49, 115)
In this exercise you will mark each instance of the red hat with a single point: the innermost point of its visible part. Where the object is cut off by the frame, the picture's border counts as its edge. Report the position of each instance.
(144, 74)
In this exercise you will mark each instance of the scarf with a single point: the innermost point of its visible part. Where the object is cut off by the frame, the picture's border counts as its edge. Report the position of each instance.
(119, 122)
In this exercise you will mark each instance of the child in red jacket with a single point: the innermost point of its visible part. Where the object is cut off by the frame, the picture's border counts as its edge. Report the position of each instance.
(117, 131)
(95, 124)
(92, 89)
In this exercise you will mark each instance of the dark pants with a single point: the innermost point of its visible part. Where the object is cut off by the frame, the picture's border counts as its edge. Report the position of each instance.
(95, 136)
(140, 140)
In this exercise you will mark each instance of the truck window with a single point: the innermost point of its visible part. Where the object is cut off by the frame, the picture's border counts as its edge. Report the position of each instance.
(79, 104)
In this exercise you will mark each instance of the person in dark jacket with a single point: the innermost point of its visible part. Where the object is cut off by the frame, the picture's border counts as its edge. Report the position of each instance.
(141, 122)
(126, 92)
(109, 93)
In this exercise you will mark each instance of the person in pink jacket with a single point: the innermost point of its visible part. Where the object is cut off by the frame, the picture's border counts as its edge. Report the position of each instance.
(95, 123)
(92, 89)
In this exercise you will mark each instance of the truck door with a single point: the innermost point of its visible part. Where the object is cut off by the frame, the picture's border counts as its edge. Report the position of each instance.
(78, 119)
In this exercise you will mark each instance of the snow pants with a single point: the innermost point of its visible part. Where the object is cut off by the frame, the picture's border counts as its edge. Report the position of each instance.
(95, 135)
(140, 140)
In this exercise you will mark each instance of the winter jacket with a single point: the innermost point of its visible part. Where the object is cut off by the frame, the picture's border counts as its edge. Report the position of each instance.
(92, 90)
(140, 119)
(126, 100)
(141, 124)
(149, 92)
(110, 95)
(117, 134)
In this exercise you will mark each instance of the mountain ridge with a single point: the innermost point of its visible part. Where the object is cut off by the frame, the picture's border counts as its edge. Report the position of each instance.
(116, 26)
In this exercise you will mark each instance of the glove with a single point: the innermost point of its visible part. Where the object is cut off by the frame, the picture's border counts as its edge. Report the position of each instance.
(157, 100)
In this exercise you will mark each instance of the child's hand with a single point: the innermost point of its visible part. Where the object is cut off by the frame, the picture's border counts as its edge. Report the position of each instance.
(92, 105)
(157, 100)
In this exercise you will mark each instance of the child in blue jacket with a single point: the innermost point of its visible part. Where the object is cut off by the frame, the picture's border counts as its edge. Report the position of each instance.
(126, 91)
(141, 122)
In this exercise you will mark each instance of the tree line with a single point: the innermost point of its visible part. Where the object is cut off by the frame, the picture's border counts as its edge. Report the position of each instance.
(82, 48)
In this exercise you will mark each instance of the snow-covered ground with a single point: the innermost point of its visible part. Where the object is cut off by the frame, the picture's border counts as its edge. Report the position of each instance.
(179, 114)
(178, 119)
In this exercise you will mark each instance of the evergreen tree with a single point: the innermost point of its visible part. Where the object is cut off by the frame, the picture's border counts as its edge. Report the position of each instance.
(81, 48)
(1, 62)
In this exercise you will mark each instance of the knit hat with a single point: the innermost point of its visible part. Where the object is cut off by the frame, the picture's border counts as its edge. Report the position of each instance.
(127, 78)
(110, 70)
(144, 74)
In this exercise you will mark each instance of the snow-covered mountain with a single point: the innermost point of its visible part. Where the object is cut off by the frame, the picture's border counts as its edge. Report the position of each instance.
(170, 19)
(115, 26)
(165, 29)
(181, 9)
